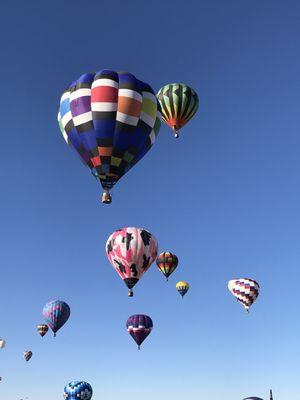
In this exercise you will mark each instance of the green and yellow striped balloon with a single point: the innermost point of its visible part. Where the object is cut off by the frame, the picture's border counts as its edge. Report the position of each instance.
(179, 103)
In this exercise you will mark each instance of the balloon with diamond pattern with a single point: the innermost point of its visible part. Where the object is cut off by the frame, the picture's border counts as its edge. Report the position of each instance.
(178, 103)
(78, 390)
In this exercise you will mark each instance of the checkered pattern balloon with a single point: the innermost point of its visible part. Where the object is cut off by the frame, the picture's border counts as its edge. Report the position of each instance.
(139, 327)
(167, 263)
(131, 251)
(245, 290)
(56, 313)
(78, 390)
(179, 103)
(112, 120)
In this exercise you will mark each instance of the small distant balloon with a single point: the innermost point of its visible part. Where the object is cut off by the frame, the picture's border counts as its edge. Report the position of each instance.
(78, 390)
(42, 329)
(2, 343)
(182, 287)
(167, 263)
(245, 290)
(56, 313)
(27, 355)
(178, 103)
(139, 326)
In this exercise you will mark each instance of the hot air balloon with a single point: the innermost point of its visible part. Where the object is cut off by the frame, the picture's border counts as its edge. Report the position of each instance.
(245, 290)
(27, 355)
(42, 329)
(2, 343)
(131, 251)
(167, 263)
(112, 120)
(182, 287)
(178, 103)
(78, 390)
(252, 398)
(56, 314)
(139, 327)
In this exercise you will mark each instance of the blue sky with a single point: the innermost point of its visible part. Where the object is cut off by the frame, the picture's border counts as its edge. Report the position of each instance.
(225, 198)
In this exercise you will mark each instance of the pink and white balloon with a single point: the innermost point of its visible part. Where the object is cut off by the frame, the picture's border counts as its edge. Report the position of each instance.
(131, 251)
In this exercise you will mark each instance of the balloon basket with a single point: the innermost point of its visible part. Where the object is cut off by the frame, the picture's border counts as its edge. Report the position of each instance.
(130, 293)
(106, 198)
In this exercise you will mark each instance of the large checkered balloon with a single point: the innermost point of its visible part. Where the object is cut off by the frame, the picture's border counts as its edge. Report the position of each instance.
(245, 290)
(112, 120)
(78, 390)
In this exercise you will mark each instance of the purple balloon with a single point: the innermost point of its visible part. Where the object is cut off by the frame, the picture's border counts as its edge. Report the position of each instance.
(139, 327)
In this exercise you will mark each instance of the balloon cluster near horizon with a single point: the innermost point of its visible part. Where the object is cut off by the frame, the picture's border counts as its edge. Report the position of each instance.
(178, 103)
(131, 251)
(112, 120)
(245, 290)
(78, 390)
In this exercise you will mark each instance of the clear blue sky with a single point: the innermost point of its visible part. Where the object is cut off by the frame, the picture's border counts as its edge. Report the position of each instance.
(225, 197)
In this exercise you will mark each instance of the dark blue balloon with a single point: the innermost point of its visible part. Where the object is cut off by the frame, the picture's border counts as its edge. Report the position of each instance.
(78, 390)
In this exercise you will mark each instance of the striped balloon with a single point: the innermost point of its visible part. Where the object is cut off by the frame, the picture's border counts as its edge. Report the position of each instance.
(167, 263)
(42, 329)
(27, 355)
(112, 120)
(178, 103)
(78, 390)
(56, 313)
(139, 327)
(182, 287)
(245, 290)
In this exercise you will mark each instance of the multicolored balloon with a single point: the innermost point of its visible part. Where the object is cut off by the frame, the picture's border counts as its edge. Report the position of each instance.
(27, 355)
(179, 103)
(182, 287)
(139, 327)
(56, 313)
(167, 263)
(42, 329)
(131, 251)
(78, 390)
(2, 343)
(245, 290)
(112, 120)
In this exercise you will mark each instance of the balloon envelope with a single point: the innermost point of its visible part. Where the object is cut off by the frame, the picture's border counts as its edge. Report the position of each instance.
(56, 313)
(182, 287)
(27, 355)
(178, 103)
(78, 390)
(42, 329)
(167, 263)
(112, 120)
(2, 343)
(139, 327)
(131, 251)
(245, 290)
